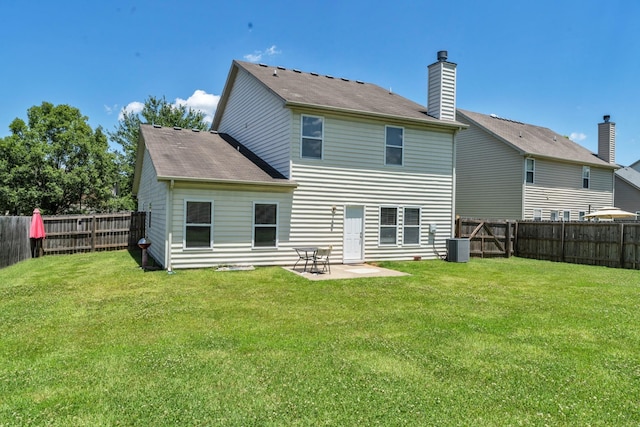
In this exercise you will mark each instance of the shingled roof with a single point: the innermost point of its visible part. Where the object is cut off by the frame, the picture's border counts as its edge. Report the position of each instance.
(630, 175)
(313, 90)
(182, 154)
(534, 140)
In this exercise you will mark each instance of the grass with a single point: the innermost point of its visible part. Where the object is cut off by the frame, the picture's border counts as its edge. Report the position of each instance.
(91, 339)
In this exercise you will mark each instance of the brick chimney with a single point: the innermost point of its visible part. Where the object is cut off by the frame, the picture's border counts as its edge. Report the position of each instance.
(441, 91)
(607, 140)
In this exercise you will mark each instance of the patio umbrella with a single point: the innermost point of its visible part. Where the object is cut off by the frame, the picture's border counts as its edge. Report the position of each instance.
(36, 233)
(610, 212)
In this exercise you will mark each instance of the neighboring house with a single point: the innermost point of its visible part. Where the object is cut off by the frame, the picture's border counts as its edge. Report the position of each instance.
(511, 170)
(322, 161)
(627, 195)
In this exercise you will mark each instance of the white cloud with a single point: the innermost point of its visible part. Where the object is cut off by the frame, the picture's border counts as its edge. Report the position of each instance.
(201, 101)
(577, 136)
(257, 55)
(132, 107)
(110, 109)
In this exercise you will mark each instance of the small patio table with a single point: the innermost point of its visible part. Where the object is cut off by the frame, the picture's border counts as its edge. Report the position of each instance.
(307, 253)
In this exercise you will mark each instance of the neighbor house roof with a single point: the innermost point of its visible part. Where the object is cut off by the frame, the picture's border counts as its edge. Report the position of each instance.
(534, 140)
(630, 175)
(312, 90)
(189, 155)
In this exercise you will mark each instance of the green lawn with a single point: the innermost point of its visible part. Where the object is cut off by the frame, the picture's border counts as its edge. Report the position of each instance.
(91, 339)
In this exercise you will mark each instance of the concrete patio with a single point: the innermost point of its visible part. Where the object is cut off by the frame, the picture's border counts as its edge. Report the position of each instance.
(346, 271)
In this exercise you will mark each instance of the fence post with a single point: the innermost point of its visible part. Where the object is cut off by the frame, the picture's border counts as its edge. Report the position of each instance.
(93, 233)
(622, 245)
(507, 240)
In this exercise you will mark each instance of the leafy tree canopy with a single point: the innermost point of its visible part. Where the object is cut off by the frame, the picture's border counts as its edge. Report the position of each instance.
(156, 111)
(56, 162)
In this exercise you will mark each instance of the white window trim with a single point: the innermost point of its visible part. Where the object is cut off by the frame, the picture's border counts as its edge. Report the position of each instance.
(588, 177)
(394, 146)
(539, 216)
(184, 228)
(302, 136)
(419, 226)
(557, 214)
(254, 225)
(581, 215)
(566, 212)
(526, 170)
(397, 226)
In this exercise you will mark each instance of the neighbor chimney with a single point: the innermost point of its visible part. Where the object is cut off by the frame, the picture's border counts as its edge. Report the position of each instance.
(607, 140)
(441, 91)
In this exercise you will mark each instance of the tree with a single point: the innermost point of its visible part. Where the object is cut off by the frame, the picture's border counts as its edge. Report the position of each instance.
(56, 162)
(156, 111)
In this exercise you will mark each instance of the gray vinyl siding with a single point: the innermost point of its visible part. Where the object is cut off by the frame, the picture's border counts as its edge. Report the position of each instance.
(154, 192)
(489, 176)
(627, 197)
(258, 119)
(232, 226)
(558, 186)
(352, 172)
(442, 90)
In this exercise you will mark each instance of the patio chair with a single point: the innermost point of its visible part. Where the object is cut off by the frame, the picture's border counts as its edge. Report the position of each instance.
(322, 259)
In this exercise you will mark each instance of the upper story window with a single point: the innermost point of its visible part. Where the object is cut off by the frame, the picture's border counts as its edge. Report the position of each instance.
(530, 170)
(312, 137)
(265, 225)
(586, 176)
(198, 225)
(394, 146)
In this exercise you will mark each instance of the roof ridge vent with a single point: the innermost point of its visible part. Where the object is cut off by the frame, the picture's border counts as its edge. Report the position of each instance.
(215, 132)
(360, 82)
(177, 128)
(195, 130)
(156, 126)
(281, 68)
(263, 65)
(328, 76)
(344, 79)
(295, 70)
(314, 74)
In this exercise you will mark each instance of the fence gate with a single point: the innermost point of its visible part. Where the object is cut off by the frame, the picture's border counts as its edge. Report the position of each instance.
(487, 238)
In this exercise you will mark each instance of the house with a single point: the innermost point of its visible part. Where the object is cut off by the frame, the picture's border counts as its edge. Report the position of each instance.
(627, 195)
(512, 170)
(303, 159)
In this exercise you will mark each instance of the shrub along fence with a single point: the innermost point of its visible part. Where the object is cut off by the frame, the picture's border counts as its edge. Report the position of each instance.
(69, 234)
(607, 243)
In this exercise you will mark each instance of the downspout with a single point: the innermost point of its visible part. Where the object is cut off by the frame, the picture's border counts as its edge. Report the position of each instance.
(453, 182)
(169, 228)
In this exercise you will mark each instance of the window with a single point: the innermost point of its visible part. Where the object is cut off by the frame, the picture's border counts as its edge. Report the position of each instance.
(566, 216)
(312, 135)
(394, 141)
(537, 214)
(388, 226)
(554, 216)
(581, 215)
(265, 225)
(411, 229)
(198, 225)
(586, 175)
(531, 170)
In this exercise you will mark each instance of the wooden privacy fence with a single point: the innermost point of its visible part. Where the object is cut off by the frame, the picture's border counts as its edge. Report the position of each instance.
(70, 234)
(88, 233)
(14, 239)
(612, 244)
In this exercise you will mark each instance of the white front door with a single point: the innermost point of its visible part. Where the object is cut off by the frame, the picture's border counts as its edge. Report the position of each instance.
(353, 232)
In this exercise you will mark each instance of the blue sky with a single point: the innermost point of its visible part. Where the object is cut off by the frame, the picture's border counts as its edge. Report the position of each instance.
(558, 64)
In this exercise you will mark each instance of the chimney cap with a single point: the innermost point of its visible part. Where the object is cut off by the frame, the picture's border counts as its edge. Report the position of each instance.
(442, 55)
(606, 118)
